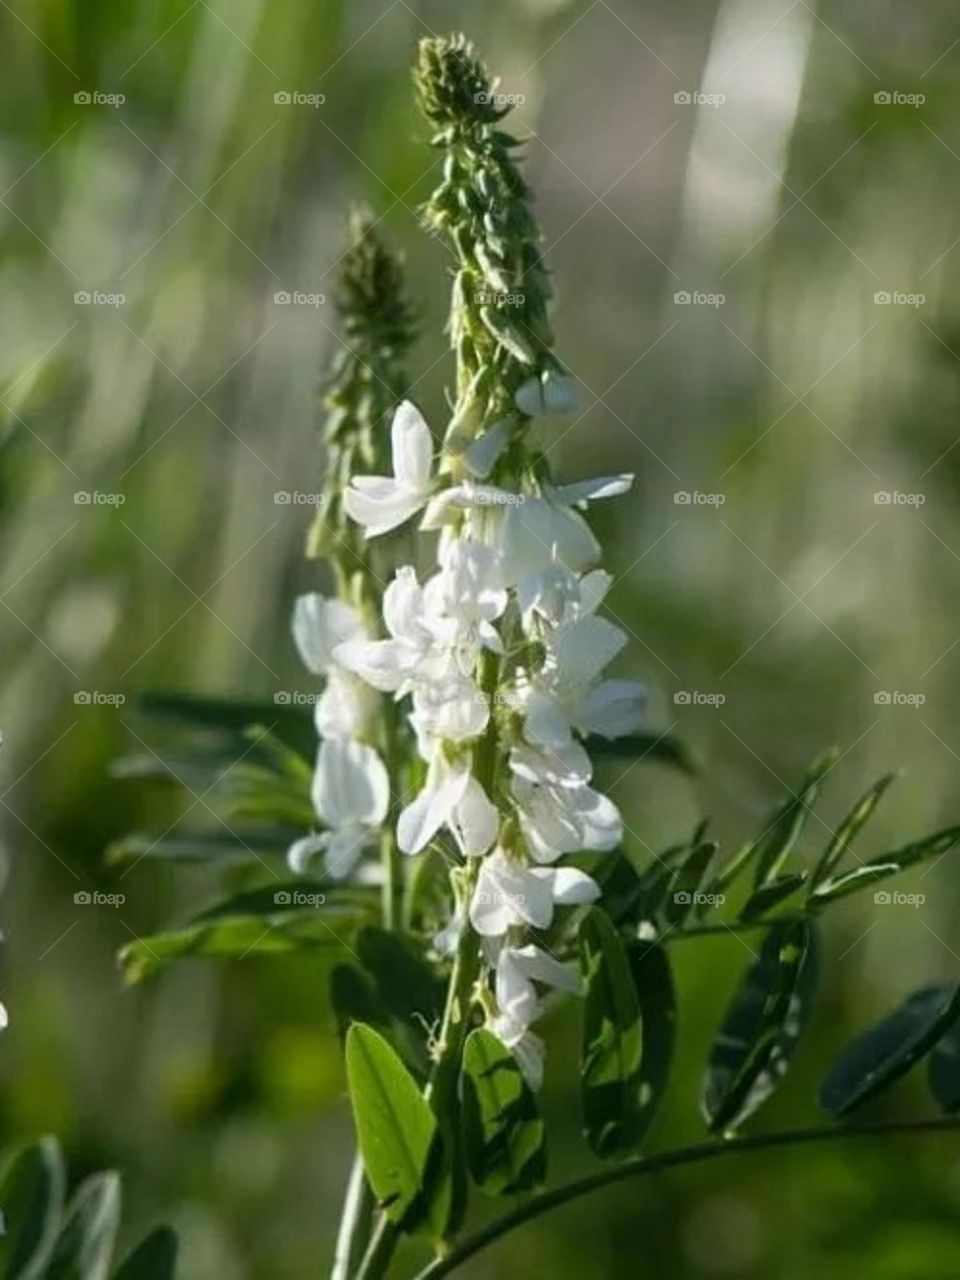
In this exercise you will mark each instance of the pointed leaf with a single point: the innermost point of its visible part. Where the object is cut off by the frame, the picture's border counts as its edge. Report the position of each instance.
(943, 1069)
(31, 1199)
(396, 1129)
(687, 878)
(653, 982)
(611, 1081)
(291, 723)
(219, 846)
(155, 1259)
(771, 894)
(880, 1056)
(503, 1132)
(850, 881)
(406, 984)
(909, 855)
(850, 828)
(657, 748)
(753, 1048)
(84, 1247)
(775, 844)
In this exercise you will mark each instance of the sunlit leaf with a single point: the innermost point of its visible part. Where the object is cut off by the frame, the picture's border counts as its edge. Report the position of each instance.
(881, 1055)
(31, 1197)
(503, 1132)
(396, 1129)
(850, 881)
(84, 1248)
(753, 1048)
(849, 829)
(154, 1259)
(611, 1080)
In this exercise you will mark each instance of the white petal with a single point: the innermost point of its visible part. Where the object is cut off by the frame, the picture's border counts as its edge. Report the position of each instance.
(423, 817)
(545, 721)
(475, 821)
(319, 625)
(542, 967)
(350, 784)
(344, 848)
(587, 646)
(302, 850)
(613, 708)
(384, 508)
(601, 826)
(490, 913)
(570, 886)
(382, 663)
(591, 490)
(480, 456)
(412, 447)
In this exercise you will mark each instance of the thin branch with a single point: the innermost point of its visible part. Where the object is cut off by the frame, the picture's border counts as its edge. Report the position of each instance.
(639, 1165)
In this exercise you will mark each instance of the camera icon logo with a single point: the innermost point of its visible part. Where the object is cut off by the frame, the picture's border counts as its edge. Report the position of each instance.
(882, 498)
(882, 298)
(82, 898)
(882, 698)
(82, 498)
(282, 298)
(82, 98)
(881, 898)
(882, 98)
(282, 98)
(682, 899)
(482, 97)
(682, 498)
(681, 698)
(682, 298)
(282, 898)
(282, 497)
(282, 698)
(683, 98)
(82, 698)
(81, 298)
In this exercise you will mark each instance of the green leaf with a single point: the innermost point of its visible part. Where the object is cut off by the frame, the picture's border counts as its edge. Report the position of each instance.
(240, 937)
(504, 1135)
(354, 999)
(283, 896)
(611, 1080)
(759, 1034)
(880, 1056)
(396, 1129)
(154, 1259)
(657, 748)
(85, 1245)
(406, 984)
(774, 845)
(686, 880)
(292, 724)
(771, 894)
(220, 846)
(653, 982)
(850, 828)
(850, 881)
(31, 1198)
(909, 855)
(943, 1069)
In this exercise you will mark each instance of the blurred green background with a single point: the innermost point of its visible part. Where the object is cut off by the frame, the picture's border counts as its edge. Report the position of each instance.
(799, 598)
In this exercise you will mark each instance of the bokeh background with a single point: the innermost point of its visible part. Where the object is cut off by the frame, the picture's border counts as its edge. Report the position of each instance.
(788, 190)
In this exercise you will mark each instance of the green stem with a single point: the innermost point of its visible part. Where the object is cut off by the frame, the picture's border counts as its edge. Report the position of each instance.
(355, 1218)
(379, 1251)
(639, 1165)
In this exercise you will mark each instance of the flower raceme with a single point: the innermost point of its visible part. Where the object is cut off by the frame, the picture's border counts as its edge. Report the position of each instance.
(516, 580)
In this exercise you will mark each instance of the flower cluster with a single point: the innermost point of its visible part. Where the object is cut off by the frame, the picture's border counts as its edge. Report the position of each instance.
(501, 653)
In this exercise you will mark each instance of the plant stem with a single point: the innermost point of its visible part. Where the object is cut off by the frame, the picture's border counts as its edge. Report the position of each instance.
(354, 1227)
(639, 1165)
(379, 1251)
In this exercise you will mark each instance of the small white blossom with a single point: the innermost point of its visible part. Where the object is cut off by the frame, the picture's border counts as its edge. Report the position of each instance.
(381, 503)
(509, 893)
(351, 794)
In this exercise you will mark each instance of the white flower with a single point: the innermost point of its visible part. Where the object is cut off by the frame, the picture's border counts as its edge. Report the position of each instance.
(509, 893)
(391, 665)
(517, 970)
(526, 1047)
(548, 392)
(381, 503)
(558, 812)
(451, 797)
(346, 707)
(351, 794)
(466, 597)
